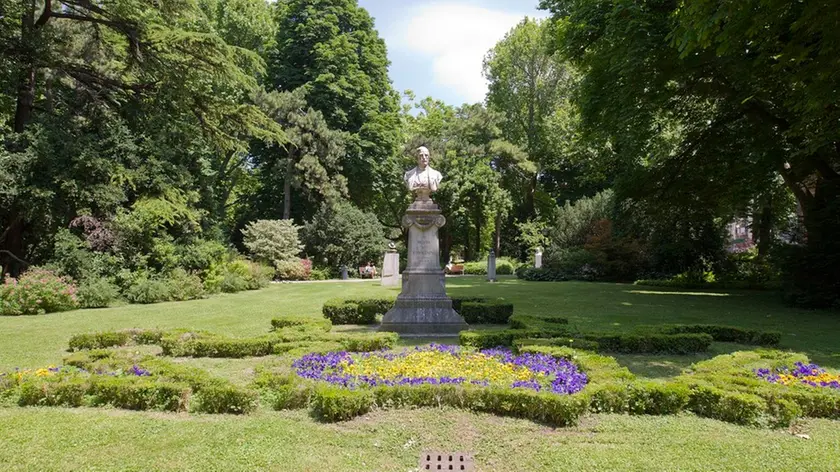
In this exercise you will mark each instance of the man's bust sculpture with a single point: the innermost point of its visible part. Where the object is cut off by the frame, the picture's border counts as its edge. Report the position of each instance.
(422, 180)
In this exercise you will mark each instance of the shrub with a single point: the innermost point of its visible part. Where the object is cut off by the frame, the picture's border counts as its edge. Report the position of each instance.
(227, 399)
(363, 311)
(97, 293)
(292, 270)
(68, 392)
(184, 286)
(542, 275)
(475, 268)
(212, 346)
(288, 321)
(149, 290)
(495, 312)
(368, 342)
(651, 343)
(233, 283)
(651, 398)
(722, 333)
(131, 393)
(318, 273)
(575, 343)
(457, 302)
(99, 340)
(505, 266)
(738, 408)
(344, 235)
(528, 321)
(272, 241)
(505, 337)
(331, 403)
(36, 292)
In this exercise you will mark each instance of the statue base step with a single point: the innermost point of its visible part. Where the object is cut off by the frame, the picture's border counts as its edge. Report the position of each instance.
(423, 317)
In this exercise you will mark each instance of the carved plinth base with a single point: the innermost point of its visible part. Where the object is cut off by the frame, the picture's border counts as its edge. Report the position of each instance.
(423, 308)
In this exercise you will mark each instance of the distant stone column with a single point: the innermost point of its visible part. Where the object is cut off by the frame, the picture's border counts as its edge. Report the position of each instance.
(491, 266)
(538, 259)
(391, 267)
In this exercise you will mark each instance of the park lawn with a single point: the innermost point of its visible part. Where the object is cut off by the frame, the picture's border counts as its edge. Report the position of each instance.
(67, 439)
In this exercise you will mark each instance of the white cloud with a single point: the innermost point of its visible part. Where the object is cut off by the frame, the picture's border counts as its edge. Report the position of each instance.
(455, 37)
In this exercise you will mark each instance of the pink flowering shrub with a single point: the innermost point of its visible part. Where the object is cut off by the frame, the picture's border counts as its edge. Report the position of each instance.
(36, 292)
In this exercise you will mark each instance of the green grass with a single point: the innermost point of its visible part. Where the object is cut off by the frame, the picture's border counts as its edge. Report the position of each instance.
(64, 439)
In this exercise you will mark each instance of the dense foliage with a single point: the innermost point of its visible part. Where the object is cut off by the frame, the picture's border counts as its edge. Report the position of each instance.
(145, 145)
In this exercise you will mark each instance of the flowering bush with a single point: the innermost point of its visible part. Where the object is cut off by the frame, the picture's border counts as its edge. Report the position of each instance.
(439, 365)
(807, 374)
(36, 292)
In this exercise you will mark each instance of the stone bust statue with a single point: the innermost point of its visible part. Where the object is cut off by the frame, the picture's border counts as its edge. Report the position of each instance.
(422, 180)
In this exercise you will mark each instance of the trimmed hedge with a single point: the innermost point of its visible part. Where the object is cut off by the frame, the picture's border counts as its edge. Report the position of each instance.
(108, 339)
(721, 333)
(305, 322)
(650, 343)
(99, 340)
(528, 321)
(495, 312)
(356, 311)
(717, 285)
(368, 342)
(331, 403)
(138, 394)
(199, 346)
(609, 342)
(505, 337)
(458, 302)
(576, 343)
(226, 399)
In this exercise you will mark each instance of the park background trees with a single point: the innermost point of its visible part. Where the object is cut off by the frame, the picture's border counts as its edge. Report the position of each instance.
(143, 137)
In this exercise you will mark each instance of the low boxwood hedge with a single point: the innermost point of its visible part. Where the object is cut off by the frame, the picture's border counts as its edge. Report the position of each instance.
(494, 312)
(504, 337)
(650, 343)
(305, 322)
(356, 311)
(720, 333)
(536, 322)
(224, 399)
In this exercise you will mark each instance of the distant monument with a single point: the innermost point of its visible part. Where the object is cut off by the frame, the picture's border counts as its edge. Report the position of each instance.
(538, 259)
(391, 267)
(491, 266)
(423, 308)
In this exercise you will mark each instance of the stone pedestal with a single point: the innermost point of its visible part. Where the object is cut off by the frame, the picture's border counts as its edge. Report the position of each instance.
(391, 269)
(423, 308)
(491, 266)
(538, 259)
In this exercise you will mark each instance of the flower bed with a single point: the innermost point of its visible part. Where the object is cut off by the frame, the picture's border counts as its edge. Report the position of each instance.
(801, 373)
(441, 365)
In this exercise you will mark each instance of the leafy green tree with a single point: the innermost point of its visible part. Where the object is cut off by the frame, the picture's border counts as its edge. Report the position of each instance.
(310, 158)
(343, 234)
(331, 48)
(103, 104)
(527, 84)
(705, 103)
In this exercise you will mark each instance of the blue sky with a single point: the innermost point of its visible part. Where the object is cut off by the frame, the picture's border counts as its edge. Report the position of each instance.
(436, 47)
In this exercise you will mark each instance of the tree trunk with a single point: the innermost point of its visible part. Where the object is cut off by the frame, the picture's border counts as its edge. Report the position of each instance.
(478, 233)
(12, 245)
(287, 187)
(764, 229)
(26, 81)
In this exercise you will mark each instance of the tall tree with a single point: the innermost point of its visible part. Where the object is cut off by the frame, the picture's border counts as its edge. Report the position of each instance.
(705, 103)
(527, 84)
(309, 159)
(106, 102)
(331, 48)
